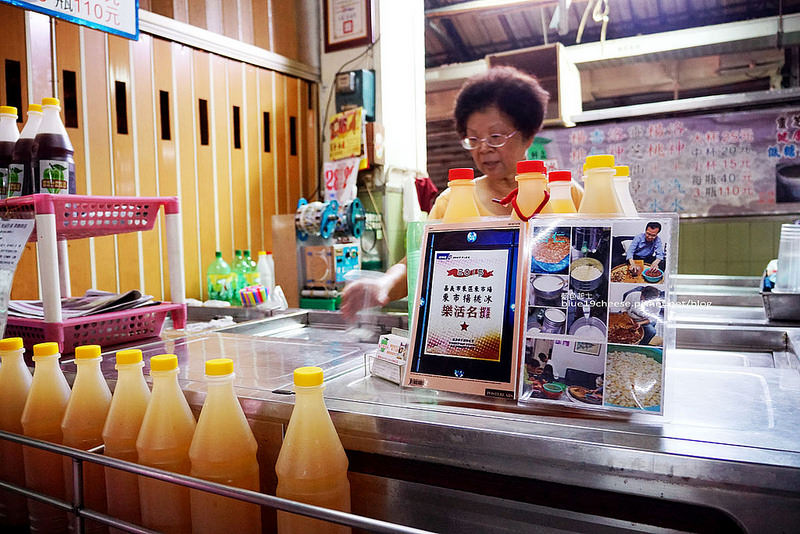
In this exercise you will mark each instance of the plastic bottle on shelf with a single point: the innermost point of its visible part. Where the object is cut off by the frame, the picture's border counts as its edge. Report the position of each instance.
(41, 419)
(223, 450)
(461, 205)
(219, 279)
(15, 382)
(163, 443)
(8, 139)
(238, 269)
(599, 197)
(560, 186)
(250, 270)
(532, 188)
(53, 166)
(312, 464)
(266, 270)
(125, 415)
(82, 427)
(20, 168)
(622, 186)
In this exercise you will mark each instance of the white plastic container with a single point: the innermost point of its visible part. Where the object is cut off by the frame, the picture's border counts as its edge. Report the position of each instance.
(8, 139)
(622, 187)
(266, 270)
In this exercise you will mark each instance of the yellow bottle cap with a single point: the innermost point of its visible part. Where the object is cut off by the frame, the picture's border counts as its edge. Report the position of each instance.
(598, 161)
(219, 367)
(11, 343)
(622, 170)
(124, 357)
(308, 377)
(85, 352)
(8, 110)
(47, 101)
(35, 107)
(45, 349)
(164, 362)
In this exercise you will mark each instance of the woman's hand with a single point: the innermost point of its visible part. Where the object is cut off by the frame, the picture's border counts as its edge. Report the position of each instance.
(364, 293)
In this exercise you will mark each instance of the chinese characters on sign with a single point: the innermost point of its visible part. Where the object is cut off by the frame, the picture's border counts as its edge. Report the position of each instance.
(120, 17)
(716, 164)
(346, 133)
(14, 233)
(347, 23)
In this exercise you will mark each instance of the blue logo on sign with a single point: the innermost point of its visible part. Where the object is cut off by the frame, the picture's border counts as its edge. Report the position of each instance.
(459, 373)
(442, 255)
(471, 237)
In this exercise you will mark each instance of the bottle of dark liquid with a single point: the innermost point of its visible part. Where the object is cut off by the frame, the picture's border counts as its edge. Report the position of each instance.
(8, 138)
(53, 166)
(20, 173)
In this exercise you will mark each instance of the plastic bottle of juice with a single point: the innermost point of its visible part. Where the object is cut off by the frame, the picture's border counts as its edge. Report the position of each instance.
(8, 138)
(20, 168)
(250, 270)
(163, 443)
(461, 205)
(622, 186)
(41, 419)
(82, 428)
(15, 382)
(223, 450)
(53, 166)
(599, 197)
(219, 280)
(560, 185)
(312, 464)
(266, 270)
(532, 185)
(128, 404)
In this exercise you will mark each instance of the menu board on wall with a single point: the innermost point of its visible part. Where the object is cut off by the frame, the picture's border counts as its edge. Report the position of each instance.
(120, 17)
(715, 164)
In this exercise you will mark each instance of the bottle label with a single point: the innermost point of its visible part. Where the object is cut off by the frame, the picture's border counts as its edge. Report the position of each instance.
(16, 174)
(251, 278)
(3, 182)
(220, 286)
(53, 176)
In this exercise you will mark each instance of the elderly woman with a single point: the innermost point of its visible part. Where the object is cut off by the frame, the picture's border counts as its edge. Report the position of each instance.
(497, 115)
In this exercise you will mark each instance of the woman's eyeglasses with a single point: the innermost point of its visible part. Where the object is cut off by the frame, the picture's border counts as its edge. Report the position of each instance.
(493, 141)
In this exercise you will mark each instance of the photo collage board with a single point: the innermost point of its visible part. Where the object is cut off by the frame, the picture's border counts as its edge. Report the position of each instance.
(594, 325)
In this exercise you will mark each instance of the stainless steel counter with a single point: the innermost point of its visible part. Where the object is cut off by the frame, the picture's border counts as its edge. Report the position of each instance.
(726, 453)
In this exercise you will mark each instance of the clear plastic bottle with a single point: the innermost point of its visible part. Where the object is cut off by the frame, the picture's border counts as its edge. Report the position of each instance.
(599, 197)
(53, 166)
(532, 185)
(224, 451)
(312, 464)
(163, 443)
(20, 168)
(15, 382)
(266, 270)
(41, 419)
(8, 139)
(82, 428)
(461, 206)
(250, 270)
(622, 186)
(560, 185)
(128, 404)
(219, 280)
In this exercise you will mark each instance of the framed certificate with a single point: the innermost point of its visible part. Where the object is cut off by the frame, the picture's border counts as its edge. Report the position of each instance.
(348, 24)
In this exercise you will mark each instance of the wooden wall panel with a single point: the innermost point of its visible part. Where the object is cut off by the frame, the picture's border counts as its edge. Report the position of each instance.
(125, 172)
(206, 196)
(214, 17)
(269, 174)
(308, 127)
(221, 144)
(40, 69)
(262, 30)
(281, 125)
(197, 13)
(239, 180)
(143, 124)
(253, 149)
(285, 27)
(293, 141)
(68, 58)
(98, 158)
(230, 18)
(186, 139)
(245, 21)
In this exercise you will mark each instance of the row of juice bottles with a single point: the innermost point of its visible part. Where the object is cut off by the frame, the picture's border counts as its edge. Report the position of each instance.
(158, 430)
(40, 159)
(606, 191)
(225, 282)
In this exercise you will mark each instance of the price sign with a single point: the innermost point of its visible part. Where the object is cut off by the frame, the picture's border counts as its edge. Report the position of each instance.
(120, 17)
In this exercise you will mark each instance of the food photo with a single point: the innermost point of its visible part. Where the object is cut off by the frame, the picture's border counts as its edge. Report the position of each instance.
(551, 250)
(633, 377)
(564, 370)
(548, 290)
(638, 254)
(546, 320)
(636, 315)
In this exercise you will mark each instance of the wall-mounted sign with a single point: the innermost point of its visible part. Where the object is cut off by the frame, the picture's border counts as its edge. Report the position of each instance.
(120, 17)
(348, 24)
(346, 134)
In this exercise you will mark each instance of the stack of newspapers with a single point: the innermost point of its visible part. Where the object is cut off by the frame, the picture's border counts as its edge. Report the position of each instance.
(92, 303)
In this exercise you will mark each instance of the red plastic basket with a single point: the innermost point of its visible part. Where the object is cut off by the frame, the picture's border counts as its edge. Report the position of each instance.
(105, 329)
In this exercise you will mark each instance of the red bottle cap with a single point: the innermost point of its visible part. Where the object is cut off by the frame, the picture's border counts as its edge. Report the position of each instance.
(559, 176)
(531, 166)
(460, 174)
